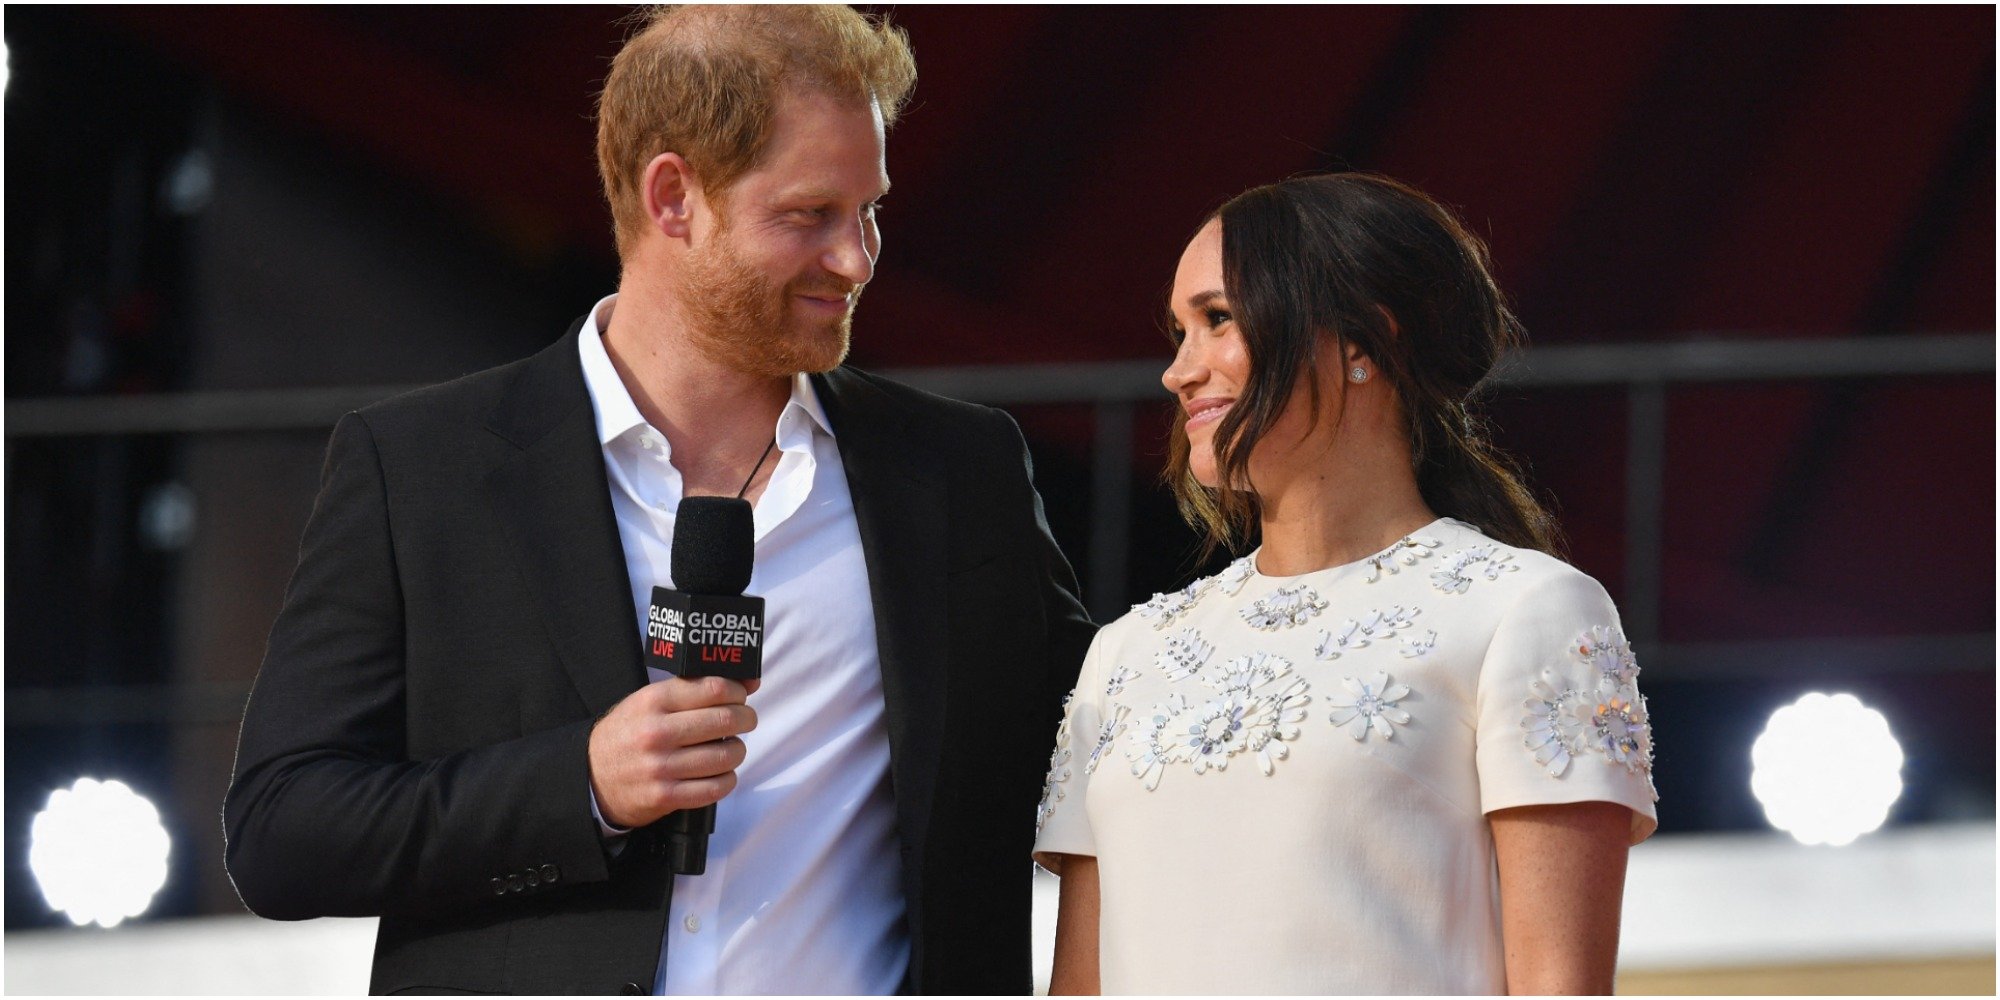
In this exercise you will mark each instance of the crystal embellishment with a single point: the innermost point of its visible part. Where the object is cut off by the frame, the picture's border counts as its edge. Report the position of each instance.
(1052, 786)
(1184, 656)
(1405, 552)
(1164, 609)
(1236, 574)
(1357, 633)
(1490, 561)
(1106, 734)
(1604, 648)
(1115, 684)
(1415, 646)
(1602, 714)
(1370, 706)
(1284, 608)
(1275, 700)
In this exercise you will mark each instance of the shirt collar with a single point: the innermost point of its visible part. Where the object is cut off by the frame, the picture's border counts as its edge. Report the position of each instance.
(617, 415)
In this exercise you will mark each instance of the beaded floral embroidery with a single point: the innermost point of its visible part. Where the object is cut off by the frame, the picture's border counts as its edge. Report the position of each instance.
(1255, 707)
(1605, 648)
(1370, 706)
(1415, 646)
(1284, 608)
(1052, 786)
(1236, 574)
(1164, 609)
(1276, 703)
(1554, 734)
(1489, 561)
(1406, 551)
(1115, 684)
(1604, 714)
(1106, 733)
(1355, 634)
(1184, 655)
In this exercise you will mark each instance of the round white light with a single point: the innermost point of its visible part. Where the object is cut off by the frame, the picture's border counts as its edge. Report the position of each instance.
(99, 852)
(1827, 769)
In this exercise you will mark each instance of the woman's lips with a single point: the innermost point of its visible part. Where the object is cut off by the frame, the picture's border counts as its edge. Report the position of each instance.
(1201, 413)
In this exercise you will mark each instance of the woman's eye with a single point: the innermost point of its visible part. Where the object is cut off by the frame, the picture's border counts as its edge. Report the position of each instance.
(1176, 333)
(1217, 317)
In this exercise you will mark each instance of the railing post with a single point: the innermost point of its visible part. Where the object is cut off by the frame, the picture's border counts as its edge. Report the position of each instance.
(1645, 480)
(1110, 509)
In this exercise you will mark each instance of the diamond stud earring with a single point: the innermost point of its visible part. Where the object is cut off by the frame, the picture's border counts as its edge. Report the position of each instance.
(1358, 375)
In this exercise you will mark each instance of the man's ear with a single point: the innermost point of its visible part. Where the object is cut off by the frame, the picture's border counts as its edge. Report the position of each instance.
(667, 192)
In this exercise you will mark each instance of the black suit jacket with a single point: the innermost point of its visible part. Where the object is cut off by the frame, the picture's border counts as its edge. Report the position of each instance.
(415, 745)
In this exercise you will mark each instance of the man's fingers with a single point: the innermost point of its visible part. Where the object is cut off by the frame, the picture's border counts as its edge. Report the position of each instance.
(703, 725)
(704, 760)
(678, 694)
(698, 792)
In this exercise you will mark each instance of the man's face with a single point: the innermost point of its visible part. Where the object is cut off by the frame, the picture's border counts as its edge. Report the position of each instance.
(771, 284)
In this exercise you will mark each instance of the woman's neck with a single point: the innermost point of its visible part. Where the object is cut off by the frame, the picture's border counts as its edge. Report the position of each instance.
(1347, 507)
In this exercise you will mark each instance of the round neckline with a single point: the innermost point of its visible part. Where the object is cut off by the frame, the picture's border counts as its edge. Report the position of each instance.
(1260, 575)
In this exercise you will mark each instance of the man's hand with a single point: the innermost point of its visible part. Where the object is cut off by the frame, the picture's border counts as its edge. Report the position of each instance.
(670, 745)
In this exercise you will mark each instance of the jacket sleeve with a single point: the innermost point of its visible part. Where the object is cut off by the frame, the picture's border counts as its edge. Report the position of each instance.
(326, 815)
(1070, 629)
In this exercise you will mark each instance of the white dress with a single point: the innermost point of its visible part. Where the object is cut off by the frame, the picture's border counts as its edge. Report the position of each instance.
(1285, 780)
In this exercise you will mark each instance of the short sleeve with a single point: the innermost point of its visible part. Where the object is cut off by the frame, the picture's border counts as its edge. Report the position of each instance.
(1560, 717)
(1061, 824)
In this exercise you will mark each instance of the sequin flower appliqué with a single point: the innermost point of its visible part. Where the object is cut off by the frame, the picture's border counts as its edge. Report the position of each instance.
(1590, 706)
(1052, 786)
(1284, 608)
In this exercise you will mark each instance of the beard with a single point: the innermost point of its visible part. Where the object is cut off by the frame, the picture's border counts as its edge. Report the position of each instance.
(744, 321)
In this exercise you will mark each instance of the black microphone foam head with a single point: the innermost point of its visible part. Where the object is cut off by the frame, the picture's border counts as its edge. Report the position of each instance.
(714, 543)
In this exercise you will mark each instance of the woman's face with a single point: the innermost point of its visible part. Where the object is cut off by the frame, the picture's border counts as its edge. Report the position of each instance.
(1211, 370)
(1211, 366)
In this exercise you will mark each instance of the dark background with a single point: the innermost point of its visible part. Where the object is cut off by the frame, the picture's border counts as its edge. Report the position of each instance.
(254, 198)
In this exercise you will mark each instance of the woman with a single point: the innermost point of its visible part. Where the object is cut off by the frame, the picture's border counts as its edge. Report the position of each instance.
(1398, 748)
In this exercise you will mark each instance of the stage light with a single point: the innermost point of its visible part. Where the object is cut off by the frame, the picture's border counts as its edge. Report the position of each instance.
(1827, 769)
(99, 852)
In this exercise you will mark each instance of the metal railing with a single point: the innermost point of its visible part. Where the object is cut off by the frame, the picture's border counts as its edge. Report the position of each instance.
(1116, 390)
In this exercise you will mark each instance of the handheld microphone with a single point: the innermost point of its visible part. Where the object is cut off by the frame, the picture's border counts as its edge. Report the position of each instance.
(706, 627)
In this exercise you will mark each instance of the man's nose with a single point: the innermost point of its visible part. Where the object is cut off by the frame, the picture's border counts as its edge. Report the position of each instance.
(853, 250)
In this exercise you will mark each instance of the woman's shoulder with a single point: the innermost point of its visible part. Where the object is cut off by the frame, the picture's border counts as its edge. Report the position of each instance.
(1466, 553)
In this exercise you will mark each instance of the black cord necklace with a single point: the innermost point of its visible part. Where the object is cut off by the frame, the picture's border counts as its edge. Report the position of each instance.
(759, 465)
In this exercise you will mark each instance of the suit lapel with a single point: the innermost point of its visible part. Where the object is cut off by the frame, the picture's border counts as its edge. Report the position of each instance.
(554, 502)
(899, 507)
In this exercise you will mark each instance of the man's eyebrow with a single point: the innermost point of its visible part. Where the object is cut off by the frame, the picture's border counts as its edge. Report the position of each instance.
(822, 194)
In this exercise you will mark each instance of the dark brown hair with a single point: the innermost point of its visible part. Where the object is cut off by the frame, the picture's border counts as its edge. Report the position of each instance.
(1321, 262)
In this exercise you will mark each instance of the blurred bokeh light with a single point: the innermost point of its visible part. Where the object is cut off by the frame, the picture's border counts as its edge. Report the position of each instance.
(1827, 769)
(99, 852)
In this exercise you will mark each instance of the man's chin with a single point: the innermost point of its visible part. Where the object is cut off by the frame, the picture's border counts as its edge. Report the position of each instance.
(824, 348)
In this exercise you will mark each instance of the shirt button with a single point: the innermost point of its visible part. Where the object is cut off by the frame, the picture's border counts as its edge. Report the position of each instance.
(550, 873)
(692, 923)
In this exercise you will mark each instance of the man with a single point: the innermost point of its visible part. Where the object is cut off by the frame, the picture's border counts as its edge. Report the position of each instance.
(453, 727)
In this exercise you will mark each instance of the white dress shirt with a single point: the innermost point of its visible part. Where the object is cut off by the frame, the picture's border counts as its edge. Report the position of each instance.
(803, 892)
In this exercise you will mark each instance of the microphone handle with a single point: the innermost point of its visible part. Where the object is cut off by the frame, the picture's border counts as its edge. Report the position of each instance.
(687, 839)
